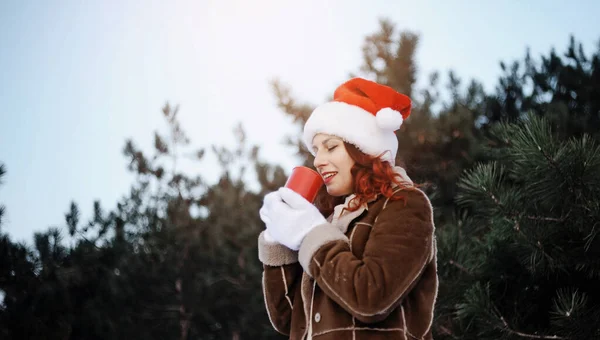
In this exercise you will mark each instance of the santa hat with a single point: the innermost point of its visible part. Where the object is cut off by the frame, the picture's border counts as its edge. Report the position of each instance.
(363, 113)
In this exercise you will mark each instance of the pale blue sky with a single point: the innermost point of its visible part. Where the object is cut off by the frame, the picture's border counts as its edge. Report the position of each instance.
(79, 77)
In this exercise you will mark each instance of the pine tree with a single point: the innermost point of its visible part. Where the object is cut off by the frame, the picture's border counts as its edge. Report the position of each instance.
(439, 140)
(518, 256)
(195, 244)
(566, 90)
(176, 258)
(2, 208)
(526, 249)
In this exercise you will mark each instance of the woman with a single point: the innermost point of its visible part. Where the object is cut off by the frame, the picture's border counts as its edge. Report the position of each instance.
(368, 271)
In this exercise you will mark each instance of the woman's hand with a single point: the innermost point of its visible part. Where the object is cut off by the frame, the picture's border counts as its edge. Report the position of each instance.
(289, 217)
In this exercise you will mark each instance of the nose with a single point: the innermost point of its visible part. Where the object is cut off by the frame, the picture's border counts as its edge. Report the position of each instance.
(320, 160)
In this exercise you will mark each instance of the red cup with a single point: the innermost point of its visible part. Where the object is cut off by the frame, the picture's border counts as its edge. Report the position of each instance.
(305, 181)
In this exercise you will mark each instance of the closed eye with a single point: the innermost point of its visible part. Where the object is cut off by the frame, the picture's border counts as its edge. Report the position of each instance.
(331, 148)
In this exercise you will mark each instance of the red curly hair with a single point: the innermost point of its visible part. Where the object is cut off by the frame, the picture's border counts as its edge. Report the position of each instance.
(372, 177)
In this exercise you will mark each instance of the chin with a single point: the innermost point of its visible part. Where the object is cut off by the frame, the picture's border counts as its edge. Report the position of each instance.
(332, 192)
(336, 192)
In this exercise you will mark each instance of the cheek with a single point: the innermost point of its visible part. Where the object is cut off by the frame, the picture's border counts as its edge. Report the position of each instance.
(348, 163)
(343, 161)
(345, 164)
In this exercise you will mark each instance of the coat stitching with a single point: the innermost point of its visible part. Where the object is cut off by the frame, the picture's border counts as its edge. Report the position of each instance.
(359, 329)
(434, 259)
(268, 311)
(412, 336)
(423, 265)
(287, 297)
(351, 236)
(381, 311)
(312, 299)
(431, 256)
(354, 230)
(305, 307)
(437, 283)
(385, 204)
(387, 200)
(404, 320)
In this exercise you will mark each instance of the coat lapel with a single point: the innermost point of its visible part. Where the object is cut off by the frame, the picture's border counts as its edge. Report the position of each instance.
(343, 221)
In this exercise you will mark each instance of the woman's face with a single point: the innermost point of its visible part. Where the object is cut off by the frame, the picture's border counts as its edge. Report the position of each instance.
(333, 162)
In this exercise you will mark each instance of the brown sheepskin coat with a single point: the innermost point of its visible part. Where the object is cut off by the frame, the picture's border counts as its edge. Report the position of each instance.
(367, 274)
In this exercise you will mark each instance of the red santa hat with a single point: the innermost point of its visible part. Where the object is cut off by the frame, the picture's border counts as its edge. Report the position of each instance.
(363, 113)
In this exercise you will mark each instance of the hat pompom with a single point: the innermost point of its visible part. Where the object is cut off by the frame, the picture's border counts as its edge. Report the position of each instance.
(389, 119)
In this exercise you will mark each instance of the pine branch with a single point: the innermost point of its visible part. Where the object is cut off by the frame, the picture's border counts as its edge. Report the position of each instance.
(93, 243)
(553, 163)
(589, 238)
(459, 266)
(498, 203)
(536, 243)
(552, 219)
(514, 217)
(525, 335)
(227, 278)
(511, 216)
(446, 331)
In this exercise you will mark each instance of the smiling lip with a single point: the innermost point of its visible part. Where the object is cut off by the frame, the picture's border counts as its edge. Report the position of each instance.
(327, 178)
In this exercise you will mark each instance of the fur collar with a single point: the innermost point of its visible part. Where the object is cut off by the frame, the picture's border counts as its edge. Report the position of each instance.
(341, 217)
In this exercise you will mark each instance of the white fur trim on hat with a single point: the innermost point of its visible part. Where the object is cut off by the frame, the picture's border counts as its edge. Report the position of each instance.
(356, 126)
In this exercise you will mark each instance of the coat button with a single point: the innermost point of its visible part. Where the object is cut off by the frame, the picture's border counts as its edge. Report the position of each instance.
(317, 317)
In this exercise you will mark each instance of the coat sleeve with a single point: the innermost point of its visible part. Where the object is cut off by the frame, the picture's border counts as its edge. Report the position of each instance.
(281, 278)
(399, 246)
